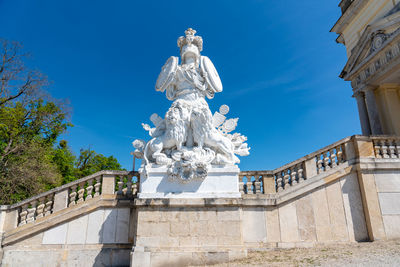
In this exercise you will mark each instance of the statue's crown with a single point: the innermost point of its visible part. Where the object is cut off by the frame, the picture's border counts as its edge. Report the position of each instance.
(190, 39)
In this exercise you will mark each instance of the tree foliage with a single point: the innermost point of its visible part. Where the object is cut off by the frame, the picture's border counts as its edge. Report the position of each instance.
(30, 124)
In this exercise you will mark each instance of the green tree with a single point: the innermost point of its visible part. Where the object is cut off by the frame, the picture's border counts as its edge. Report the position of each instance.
(90, 162)
(65, 161)
(30, 122)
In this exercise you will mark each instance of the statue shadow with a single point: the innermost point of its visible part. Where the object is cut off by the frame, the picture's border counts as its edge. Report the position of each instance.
(115, 243)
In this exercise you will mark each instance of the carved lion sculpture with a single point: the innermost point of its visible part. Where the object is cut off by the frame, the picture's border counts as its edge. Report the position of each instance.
(174, 136)
(205, 133)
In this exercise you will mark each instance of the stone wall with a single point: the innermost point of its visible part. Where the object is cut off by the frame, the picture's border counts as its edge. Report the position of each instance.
(178, 235)
(99, 238)
(331, 213)
(388, 189)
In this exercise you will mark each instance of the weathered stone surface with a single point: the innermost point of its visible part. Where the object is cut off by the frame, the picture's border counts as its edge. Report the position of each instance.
(77, 230)
(95, 227)
(321, 215)
(305, 216)
(108, 184)
(288, 223)
(35, 240)
(371, 206)
(27, 257)
(122, 231)
(392, 226)
(56, 235)
(336, 212)
(254, 226)
(109, 225)
(387, 181)
(353, 207)
(389, 203)
(228, 214)
(272, 225)
(139, 258)
(60, 200)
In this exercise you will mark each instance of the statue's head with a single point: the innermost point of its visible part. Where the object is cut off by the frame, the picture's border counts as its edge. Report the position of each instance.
(190, 46)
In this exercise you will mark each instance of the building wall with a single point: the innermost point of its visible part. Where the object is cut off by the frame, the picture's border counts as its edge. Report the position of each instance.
(372, 11)
(388, 188)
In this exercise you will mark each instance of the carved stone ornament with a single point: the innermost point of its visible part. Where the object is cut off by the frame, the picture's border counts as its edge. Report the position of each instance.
(167, 74)
(212, 76)
(378, 41)
(189, 139)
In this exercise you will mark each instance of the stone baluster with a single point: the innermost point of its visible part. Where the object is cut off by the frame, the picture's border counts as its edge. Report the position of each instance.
(241, 185)
(97, 186)
(120, 185)
(257, 184)
(279, 182)
(326, 161)
(300, 175)
(320, 167)
(129, 186)
(31, 212)
(72, 196)
(398, 148)
(293, 176)
(384, 149)
(332, 156)
(249, 183)
(391, 148)
(48, 205)
(340, 154)
(81, 192)
(377, 149)
(89, 189)
(40, 208)
(286, 177)
(135, 189)
(23, 214)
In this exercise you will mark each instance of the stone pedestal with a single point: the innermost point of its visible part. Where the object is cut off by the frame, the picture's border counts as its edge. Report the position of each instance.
(221, 182)
(182, 232)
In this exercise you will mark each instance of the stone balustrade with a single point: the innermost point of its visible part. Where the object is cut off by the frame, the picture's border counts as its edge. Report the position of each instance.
(386, 147)
(124, 184)
(294, 173)
(127, 185)
(71, 194)
(256, 182)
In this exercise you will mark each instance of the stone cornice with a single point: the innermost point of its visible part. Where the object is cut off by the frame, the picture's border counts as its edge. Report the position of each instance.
(347, 16)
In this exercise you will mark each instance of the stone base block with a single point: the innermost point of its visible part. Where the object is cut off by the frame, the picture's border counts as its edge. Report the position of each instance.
(221, 182)
(142, 257)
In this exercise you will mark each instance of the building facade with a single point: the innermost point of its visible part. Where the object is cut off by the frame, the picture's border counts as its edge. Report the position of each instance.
(370, 30)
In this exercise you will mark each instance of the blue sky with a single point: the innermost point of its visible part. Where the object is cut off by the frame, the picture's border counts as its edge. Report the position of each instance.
(278, 63)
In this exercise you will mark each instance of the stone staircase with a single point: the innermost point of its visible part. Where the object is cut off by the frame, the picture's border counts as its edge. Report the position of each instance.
(350, 189)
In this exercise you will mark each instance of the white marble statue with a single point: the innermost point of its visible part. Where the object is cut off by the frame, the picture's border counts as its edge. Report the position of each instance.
(190, 138)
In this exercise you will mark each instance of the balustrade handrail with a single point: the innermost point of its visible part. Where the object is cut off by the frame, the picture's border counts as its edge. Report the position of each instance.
(66, 186)
(312, 155)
